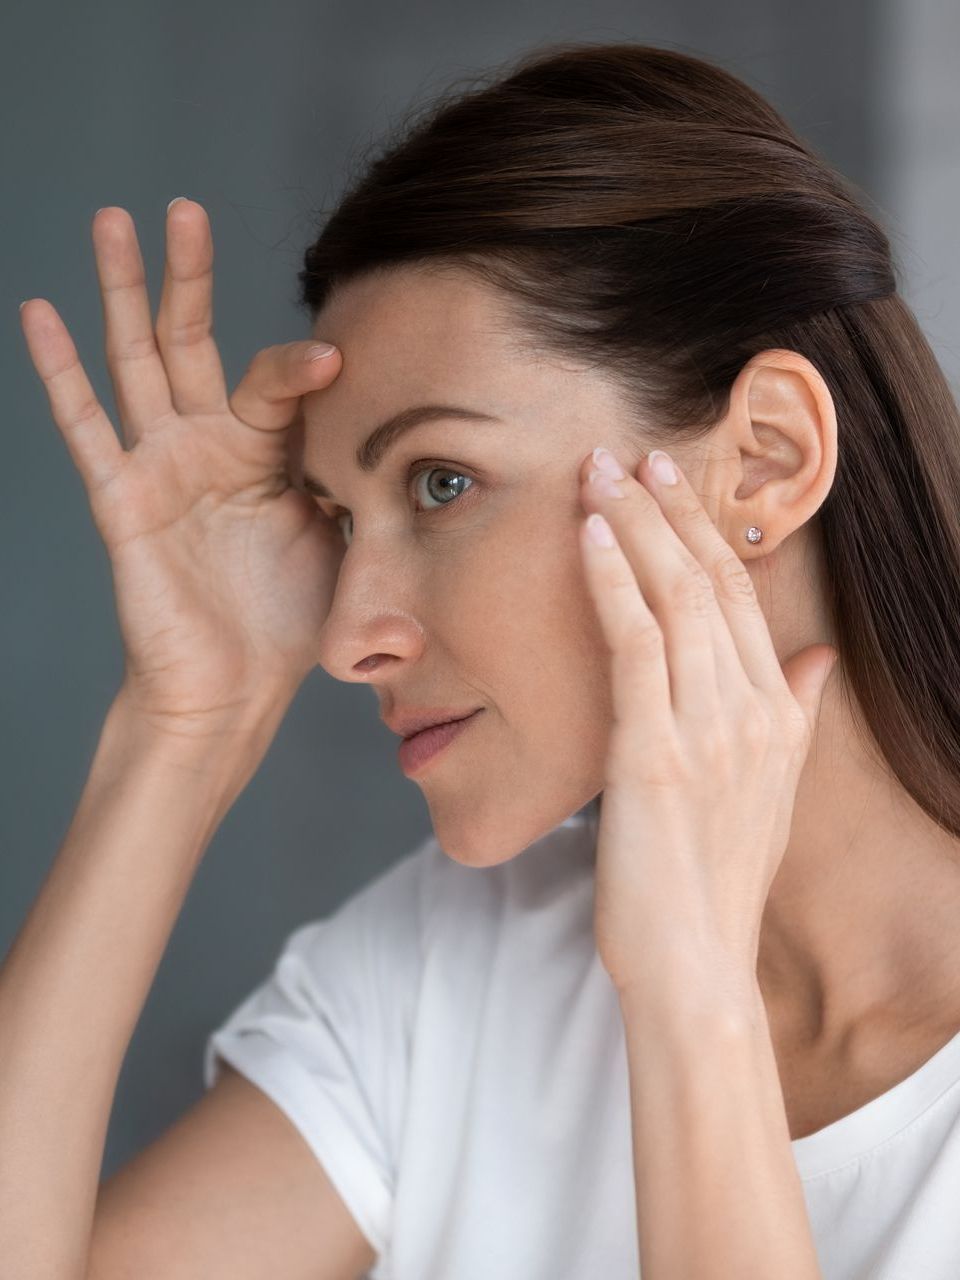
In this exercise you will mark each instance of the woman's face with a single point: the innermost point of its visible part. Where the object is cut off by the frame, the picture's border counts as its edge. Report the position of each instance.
(462, 584)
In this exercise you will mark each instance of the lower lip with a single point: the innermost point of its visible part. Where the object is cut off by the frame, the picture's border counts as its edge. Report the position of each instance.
(423, 746)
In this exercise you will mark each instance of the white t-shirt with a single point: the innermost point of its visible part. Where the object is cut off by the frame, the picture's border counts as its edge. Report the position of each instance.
(450, 1046)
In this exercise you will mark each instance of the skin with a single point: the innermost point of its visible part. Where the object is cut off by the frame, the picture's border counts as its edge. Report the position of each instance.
(481, 600)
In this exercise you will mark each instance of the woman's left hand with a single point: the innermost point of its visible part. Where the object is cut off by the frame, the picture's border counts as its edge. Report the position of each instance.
(708, 740)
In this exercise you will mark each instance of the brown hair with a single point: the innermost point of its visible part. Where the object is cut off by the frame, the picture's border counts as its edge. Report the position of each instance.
(648, 210)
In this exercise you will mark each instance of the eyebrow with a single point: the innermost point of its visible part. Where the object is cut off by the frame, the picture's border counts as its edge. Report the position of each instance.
(371, 453)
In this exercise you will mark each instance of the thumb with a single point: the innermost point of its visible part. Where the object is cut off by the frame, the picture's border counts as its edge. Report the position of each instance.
(807, 673)
(268, 395)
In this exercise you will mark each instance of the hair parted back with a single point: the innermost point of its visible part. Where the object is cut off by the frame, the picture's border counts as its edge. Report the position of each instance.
(647, 210)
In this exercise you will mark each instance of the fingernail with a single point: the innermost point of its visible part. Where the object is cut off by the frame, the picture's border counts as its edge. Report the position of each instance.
(661, 464)
(174, 201)
(319, 352)
(604, 483)
(605, 460)
(599, 531)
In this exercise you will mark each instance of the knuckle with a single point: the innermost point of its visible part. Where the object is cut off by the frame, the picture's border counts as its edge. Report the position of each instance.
(132, 349)
(184, 333)
(691, 592)
(732, 579)
(202, 275)
(65, 373)
(622, 583)
(86, 411)
(643, 639)
(265, 358)
(272, 366)
(687, 510)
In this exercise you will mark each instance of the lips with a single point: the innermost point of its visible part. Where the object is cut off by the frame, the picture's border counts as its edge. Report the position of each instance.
(417, 751)
(412, 722)
(432, 724)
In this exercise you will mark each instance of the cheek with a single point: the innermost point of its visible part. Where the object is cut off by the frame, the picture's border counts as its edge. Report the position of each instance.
(516, 617)
(521, 580)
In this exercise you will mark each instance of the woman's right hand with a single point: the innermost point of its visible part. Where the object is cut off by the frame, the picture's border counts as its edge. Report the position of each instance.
(223, 571)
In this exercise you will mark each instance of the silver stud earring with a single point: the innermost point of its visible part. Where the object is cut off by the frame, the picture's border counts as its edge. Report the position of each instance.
(754, 534)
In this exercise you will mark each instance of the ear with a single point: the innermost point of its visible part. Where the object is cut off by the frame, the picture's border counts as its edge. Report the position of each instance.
(781, 430)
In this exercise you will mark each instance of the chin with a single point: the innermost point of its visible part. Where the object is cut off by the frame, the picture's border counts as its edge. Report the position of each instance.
(477, 840)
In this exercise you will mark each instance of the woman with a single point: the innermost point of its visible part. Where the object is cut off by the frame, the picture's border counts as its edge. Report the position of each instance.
(708, 1028)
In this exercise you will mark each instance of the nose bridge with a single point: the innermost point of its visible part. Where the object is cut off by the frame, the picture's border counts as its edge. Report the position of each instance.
(372, 612)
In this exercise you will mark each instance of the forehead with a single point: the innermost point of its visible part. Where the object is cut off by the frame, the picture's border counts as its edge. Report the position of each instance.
(436, 335)
(445, 301)
(404, 325)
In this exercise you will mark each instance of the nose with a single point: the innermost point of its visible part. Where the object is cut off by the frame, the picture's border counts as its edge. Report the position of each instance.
(370, 626)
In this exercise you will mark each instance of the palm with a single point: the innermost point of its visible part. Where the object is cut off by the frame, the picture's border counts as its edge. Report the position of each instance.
(220, 572)
(223, 572)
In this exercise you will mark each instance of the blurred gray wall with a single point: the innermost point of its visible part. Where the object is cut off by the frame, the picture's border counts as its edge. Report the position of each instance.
(255, 110)
(918, 181)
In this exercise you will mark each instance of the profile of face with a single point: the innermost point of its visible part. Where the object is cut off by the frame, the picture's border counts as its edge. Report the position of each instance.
(463, 584)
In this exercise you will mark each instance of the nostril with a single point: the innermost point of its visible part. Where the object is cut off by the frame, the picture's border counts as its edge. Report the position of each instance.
(371, 663)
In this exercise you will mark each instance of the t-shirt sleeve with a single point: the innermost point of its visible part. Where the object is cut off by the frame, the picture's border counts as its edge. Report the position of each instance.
(327, 1036)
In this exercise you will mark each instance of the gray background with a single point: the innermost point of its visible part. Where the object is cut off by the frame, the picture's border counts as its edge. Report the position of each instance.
(257, 110)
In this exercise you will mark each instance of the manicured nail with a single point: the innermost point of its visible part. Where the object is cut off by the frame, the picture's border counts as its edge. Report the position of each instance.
(603, 483)
(174, 201)
(661, 464)
(599, 531)
(319, 352)
(605, 460)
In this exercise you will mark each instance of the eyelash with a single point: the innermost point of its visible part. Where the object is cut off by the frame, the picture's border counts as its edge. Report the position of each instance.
(420, 468)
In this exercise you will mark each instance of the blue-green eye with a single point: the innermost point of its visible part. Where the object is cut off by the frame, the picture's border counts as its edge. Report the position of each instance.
(451, 492)
(413, 476)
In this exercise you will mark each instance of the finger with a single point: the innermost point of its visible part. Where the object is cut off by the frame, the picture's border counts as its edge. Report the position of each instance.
(267, 397)
(732, 585)
(677, 589)
(639, 677)
(139, 377)
(185, 317)
(89, 434)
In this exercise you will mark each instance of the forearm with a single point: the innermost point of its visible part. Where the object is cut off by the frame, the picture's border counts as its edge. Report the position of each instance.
(75, 980)
(718, 1192)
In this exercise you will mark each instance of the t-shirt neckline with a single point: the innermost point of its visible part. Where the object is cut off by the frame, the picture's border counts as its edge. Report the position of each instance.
(878, 1120)
(854, 1135)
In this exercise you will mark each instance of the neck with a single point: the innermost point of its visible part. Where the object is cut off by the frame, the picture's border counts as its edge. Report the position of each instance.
(861, 919)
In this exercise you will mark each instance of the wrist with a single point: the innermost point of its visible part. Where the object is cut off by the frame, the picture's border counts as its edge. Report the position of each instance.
(229, 745)
(690, 986)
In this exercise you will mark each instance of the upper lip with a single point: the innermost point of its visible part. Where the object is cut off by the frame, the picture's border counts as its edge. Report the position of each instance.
(411, 721)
